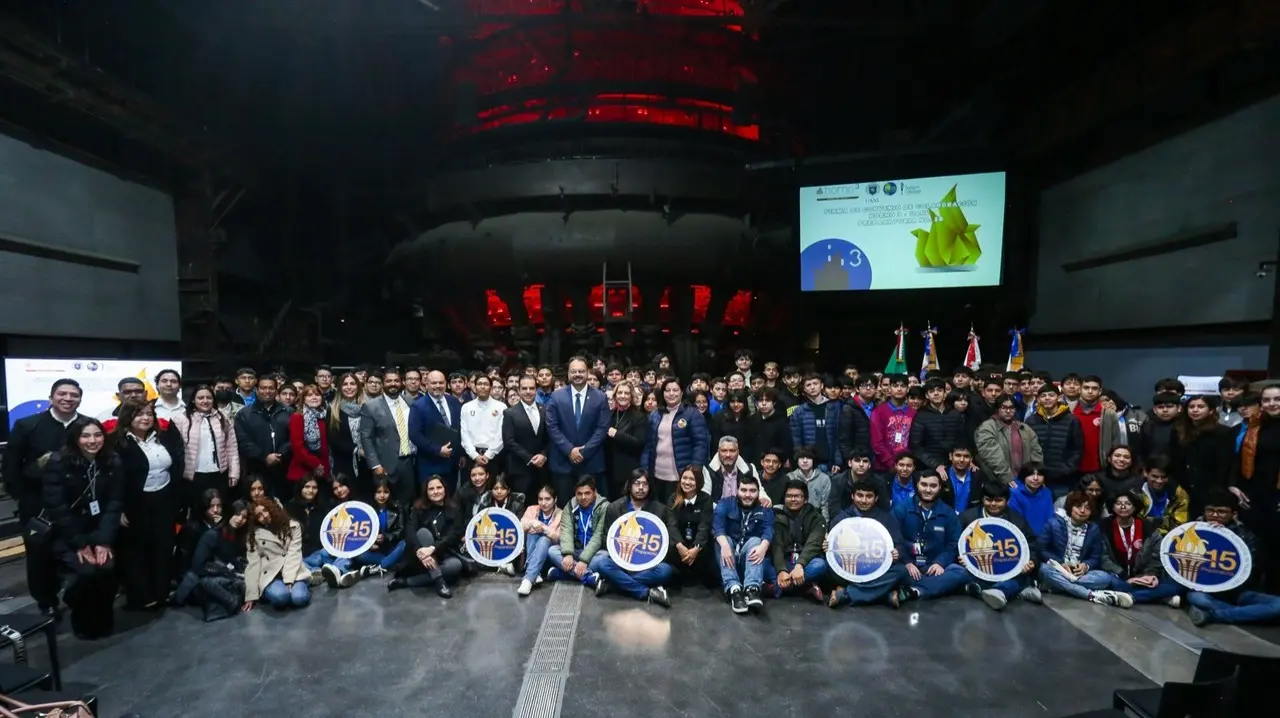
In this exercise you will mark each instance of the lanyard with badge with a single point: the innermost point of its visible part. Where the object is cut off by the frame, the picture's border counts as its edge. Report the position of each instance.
(918, 547)
(584, 523)
(1127, 541)
(92, 490)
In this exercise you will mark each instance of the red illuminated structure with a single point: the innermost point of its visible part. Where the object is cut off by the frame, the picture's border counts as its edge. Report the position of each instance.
(736, 314)
(675, 63)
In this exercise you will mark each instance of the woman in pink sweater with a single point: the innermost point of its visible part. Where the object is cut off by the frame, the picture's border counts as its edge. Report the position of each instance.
(541, 523)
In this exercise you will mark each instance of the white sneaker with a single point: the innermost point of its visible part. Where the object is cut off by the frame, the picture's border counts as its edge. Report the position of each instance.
(1123, 600)
(348, 579)
(1106, 598)
(538, 580)
(330, 574)
(525, 588)
(994, 599)
(1174, 602)
(1031, 594)
(507, 570)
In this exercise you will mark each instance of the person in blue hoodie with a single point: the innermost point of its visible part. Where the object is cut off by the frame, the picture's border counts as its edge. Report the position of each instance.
(933, 530)
(743, 531)
(1069, 551)
(866, 504)
(1030, 498)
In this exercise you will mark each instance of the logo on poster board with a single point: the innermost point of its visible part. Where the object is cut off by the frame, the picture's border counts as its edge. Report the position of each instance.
(1206, 557)
(859, 549)
(993, 549)
(638, 541)
(349, 529)
(494, 537)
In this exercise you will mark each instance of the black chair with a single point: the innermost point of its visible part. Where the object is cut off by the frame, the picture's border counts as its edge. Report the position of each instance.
(1256, 675)
(15, 679)
(27, 623)
(1208, 699)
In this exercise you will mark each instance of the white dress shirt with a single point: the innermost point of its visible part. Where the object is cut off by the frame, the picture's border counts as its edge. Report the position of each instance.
(404, 408)
(531, 411)
(481, 425)
(164, 411)
(207, 455)
(158, 462)
(574, 401)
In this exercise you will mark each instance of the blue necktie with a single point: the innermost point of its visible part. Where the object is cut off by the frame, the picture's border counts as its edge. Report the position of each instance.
(577, 409)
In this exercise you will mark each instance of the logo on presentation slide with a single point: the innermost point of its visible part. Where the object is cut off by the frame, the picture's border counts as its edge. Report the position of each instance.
(859, 549)
(1206, 557)
(349, 529)
(494, 537)
(890, 189)
(638, 541)
(834, 265)
(994, 549)
(872, 188)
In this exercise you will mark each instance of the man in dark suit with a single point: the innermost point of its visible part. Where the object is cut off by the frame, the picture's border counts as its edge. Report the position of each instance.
(434, 427)
(524, 438)
(384, 436)
(577, 423)
(31, 439)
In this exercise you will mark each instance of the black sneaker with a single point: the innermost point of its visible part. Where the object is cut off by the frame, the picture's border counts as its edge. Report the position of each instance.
(658, 595)
(602, 586)
(973, 590)
(754, 603)
(737, 601)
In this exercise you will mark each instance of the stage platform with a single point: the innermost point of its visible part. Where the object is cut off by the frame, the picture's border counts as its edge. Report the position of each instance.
(563, 652)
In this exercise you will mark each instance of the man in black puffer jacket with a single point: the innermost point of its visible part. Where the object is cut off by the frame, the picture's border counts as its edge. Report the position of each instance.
(935, 430)
(1060, 438)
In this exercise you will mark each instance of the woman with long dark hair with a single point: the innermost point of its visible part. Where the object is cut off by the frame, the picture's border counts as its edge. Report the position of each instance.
(211, 459)
(693, 509)
(274, 549)
(1205, 452)
(150, 460)
(677, 437)
(731, 420)
(433, 540)
(83, 493)
(387, 551)
(628, 429)
(344, 435)
(541, 522)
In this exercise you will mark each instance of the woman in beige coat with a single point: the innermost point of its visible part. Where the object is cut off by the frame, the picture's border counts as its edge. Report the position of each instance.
(275, 571)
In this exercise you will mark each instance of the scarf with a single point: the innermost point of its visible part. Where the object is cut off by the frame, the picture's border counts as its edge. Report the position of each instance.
(1130, 548)
(311, 419)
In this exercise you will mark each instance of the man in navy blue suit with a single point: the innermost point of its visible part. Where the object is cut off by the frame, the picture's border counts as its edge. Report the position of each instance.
(433, 411)
(577, 423)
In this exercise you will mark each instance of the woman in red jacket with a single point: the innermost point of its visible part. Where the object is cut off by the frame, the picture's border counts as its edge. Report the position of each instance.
(308, 438)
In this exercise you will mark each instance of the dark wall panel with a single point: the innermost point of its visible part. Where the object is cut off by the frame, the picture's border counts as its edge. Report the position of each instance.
(1185, 193)
(82, 252)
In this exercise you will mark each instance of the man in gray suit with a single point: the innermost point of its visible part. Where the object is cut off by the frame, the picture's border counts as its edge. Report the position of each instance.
(384, 436)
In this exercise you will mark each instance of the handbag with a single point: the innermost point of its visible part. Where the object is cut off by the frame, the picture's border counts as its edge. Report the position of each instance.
(39, 530)
(13, 708)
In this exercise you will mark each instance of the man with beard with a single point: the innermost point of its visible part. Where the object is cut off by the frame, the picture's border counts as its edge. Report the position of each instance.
(743, 531)
(384, 436)
(647, 585)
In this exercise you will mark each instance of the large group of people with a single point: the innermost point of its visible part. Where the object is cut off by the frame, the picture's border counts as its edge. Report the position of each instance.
(748, 472)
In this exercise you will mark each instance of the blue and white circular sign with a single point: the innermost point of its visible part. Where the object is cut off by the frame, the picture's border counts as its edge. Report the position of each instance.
(859, 549)
(349, 529)
(494, 537)
(638, 541)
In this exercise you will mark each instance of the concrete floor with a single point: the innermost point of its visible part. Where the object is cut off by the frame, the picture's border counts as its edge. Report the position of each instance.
(362, 651)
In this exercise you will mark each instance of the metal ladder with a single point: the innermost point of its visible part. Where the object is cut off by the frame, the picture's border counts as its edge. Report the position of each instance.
(606, 285)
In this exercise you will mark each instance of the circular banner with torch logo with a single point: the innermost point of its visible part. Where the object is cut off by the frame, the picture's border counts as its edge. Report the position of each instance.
(638, 541)
(993, 549)
(859, 549)
(1206, 557)
(494, 537)
(349, 529)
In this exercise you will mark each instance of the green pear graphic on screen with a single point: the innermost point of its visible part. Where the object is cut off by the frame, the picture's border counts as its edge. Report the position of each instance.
(950, 241)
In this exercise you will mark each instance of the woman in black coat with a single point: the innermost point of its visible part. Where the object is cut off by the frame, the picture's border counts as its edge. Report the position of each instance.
(432, 542)
(83, 493)
(1204, 454)
(628, 430)
(732, 420)
(151, 455)
(344, 437)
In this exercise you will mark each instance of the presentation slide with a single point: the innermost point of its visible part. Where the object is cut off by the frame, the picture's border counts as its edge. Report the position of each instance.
(27, 382)
(923, 233)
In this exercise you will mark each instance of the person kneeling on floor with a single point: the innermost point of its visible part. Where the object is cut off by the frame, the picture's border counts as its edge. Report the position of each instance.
(995, 505)
(582, 530)
(797, 561)
(1242, 605)
(743, 531)
(1069, 549)
(647, 585)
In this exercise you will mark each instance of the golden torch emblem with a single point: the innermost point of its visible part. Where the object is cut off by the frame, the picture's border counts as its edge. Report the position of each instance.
(340, 528)
(982, 550)
(848, 548)
(1189, 554)
(629, 536)
(486, 536)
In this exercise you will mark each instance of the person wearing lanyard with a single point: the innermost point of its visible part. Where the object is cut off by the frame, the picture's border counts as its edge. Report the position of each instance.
(1134, 543)
(866, 504)
(995, 505)
(647, 585)
(582, 527)
(797, 562)
(934, 530)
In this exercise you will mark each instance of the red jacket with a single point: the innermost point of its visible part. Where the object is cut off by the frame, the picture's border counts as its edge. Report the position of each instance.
(302, 461)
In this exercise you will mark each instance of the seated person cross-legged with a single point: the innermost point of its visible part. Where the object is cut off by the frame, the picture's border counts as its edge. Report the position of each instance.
(867, 504)
(932, 530)
(577, 555)
(743, 532)
(1069, 551)
(1242, 605)
(1132, 544)
(995, 504)
(388, 550)
(648, 585)
(432, 541)
(796, 561)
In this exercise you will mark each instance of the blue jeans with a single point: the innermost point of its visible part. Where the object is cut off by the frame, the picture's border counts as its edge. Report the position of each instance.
(814, 570)
(536, 549)
(952, 579)
(385, 561)
(1166, 589)
(558, 574)
(635, 584)
(1249, 607)
(1010, 588)
(743, 572)
(321, 557)
(1092, 581)
(876, 590)
(282, 597)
